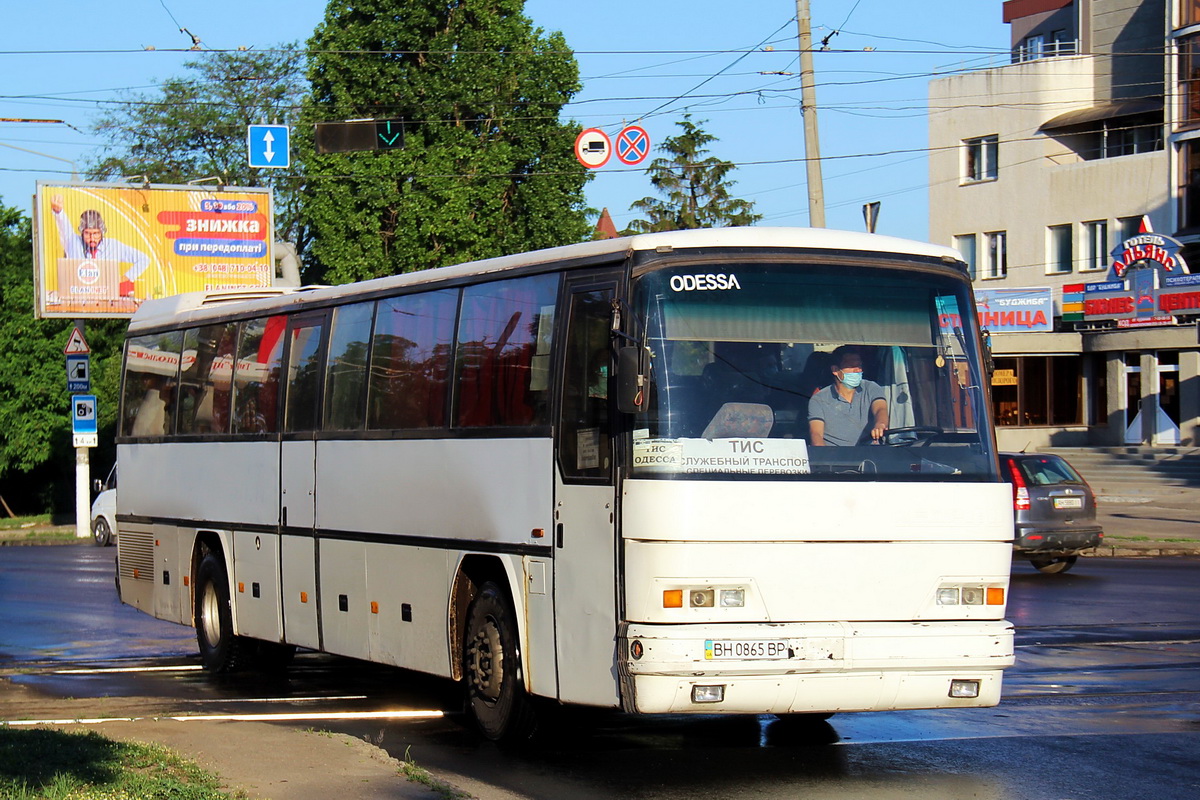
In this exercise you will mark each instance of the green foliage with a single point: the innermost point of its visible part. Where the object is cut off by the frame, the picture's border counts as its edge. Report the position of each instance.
(35, 422)
(695, 189)
(486, 169)
(55, 765)
(195, 127)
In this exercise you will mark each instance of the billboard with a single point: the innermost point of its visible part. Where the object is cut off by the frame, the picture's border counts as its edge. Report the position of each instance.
(1015, 310)
(100, 249)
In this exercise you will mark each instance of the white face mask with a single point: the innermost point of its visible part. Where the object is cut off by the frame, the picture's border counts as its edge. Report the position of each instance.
(852, 379)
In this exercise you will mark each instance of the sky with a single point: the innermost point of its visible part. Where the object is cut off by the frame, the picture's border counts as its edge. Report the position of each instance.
(732, 65)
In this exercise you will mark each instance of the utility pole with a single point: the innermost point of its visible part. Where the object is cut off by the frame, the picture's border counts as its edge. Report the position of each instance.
(808, 100)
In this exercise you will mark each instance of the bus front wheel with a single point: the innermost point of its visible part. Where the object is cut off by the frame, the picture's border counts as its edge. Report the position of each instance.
(220, 649)
(492, 667)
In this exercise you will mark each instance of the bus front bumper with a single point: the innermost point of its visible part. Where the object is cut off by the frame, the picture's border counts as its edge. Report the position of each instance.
(812, 667)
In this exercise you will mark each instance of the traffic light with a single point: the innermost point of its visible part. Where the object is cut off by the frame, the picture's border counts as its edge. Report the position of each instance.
(359, 135)
(389, 133)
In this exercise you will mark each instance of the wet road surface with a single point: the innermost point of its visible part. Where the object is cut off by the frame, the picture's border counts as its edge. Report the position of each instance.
(1104, 701)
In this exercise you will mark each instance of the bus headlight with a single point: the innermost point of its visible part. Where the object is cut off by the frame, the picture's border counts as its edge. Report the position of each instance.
(705, 597)
(947, 596)
(733, 598)
(970, 595)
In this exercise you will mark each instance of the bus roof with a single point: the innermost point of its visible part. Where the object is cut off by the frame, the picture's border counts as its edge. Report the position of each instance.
(174, 309)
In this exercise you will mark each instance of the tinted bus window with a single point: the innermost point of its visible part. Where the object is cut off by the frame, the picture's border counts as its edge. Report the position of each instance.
(503, 368)
(151, 375)
(346, 374)
(410, 360)
(256, 375)
(304, 375)
(205, 378)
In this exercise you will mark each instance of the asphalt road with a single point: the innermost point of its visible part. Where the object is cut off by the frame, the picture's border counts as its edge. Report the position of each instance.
(1104, 701)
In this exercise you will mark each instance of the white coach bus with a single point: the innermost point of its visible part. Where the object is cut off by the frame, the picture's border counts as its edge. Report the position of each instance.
(583, 475)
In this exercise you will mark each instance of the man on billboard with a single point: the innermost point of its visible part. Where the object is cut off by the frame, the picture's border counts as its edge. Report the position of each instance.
(90, 243)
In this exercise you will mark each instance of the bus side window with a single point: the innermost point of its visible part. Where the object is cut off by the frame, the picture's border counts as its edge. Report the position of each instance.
(504, 338)
(346, 371)
(304, 375)
(256, 375)
(585, 449)
(410, 361)
(151, 375)
(205, 378)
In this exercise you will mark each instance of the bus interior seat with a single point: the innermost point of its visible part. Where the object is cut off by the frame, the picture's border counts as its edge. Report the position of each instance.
(740, 420)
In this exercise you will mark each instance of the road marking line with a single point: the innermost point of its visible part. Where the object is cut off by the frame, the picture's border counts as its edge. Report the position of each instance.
(116, 670)
(329, 715)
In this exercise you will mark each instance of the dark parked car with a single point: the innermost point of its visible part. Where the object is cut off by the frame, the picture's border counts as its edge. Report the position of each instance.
(1054, 509)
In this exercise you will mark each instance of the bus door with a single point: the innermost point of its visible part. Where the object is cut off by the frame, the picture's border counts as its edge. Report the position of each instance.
(297, 478)
(585, 547)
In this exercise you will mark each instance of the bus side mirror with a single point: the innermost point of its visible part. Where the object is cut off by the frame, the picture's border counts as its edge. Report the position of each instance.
(633, 379)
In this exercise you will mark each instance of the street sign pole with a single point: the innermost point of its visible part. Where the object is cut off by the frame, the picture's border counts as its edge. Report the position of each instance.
(83, 496)
(76, 350)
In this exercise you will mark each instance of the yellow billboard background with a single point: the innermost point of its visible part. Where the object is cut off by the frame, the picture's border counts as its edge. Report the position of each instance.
(100, 250)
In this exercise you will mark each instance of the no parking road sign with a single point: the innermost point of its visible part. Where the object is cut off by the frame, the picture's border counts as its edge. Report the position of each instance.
(633, 145)
(593, 148)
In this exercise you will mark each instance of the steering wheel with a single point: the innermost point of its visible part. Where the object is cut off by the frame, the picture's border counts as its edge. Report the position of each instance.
(914, 431)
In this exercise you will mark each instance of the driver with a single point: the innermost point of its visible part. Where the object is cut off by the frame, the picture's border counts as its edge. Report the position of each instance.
(842, 414)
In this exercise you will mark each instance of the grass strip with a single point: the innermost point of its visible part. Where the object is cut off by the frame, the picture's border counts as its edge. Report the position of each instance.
(49, 764)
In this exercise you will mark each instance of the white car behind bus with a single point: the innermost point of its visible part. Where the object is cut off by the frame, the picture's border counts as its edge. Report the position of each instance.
(104, 510)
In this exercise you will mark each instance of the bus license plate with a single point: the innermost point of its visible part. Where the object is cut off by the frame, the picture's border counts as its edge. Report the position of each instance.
(743, 649)
(1068, 502)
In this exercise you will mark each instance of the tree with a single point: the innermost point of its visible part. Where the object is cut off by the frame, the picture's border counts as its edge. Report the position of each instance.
(195, 127)
(36, 455)
(486, 168)
(695, 189)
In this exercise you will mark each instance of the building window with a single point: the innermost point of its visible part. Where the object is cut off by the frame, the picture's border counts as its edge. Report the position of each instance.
(1058, 250)
(966, 245)
(1038, 390)
(1189, 189)
(1130, 136)
(1029, 49)
(1095, 246)
(1189, 13)
(997, 254)
(1112, 138)
(1130, 227)
(979, 159)
(1189, 79)
(1060, 44)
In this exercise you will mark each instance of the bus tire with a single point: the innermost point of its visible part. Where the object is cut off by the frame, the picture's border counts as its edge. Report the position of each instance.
(220, 649)
(495, 687)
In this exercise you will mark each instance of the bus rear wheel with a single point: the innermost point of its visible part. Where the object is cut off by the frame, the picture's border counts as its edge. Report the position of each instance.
(496, 694)
(220, 649)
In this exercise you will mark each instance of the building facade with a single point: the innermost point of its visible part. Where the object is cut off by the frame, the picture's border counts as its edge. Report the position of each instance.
(1066, 177)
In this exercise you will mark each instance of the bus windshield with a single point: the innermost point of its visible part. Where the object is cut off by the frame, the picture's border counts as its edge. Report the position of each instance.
(739, 351)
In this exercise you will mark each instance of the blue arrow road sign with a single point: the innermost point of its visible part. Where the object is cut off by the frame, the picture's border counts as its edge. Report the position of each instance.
(268, 145)
(83, 413)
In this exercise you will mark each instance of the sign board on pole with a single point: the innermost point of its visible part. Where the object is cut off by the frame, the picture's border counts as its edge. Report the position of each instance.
(100, 249)
(593, 148)
(83, 413)
(633, 145)
(79, 373)
(267, 146)
(76, 344)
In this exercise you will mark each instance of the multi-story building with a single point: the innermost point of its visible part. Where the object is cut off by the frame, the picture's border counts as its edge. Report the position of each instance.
(1069, 178)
